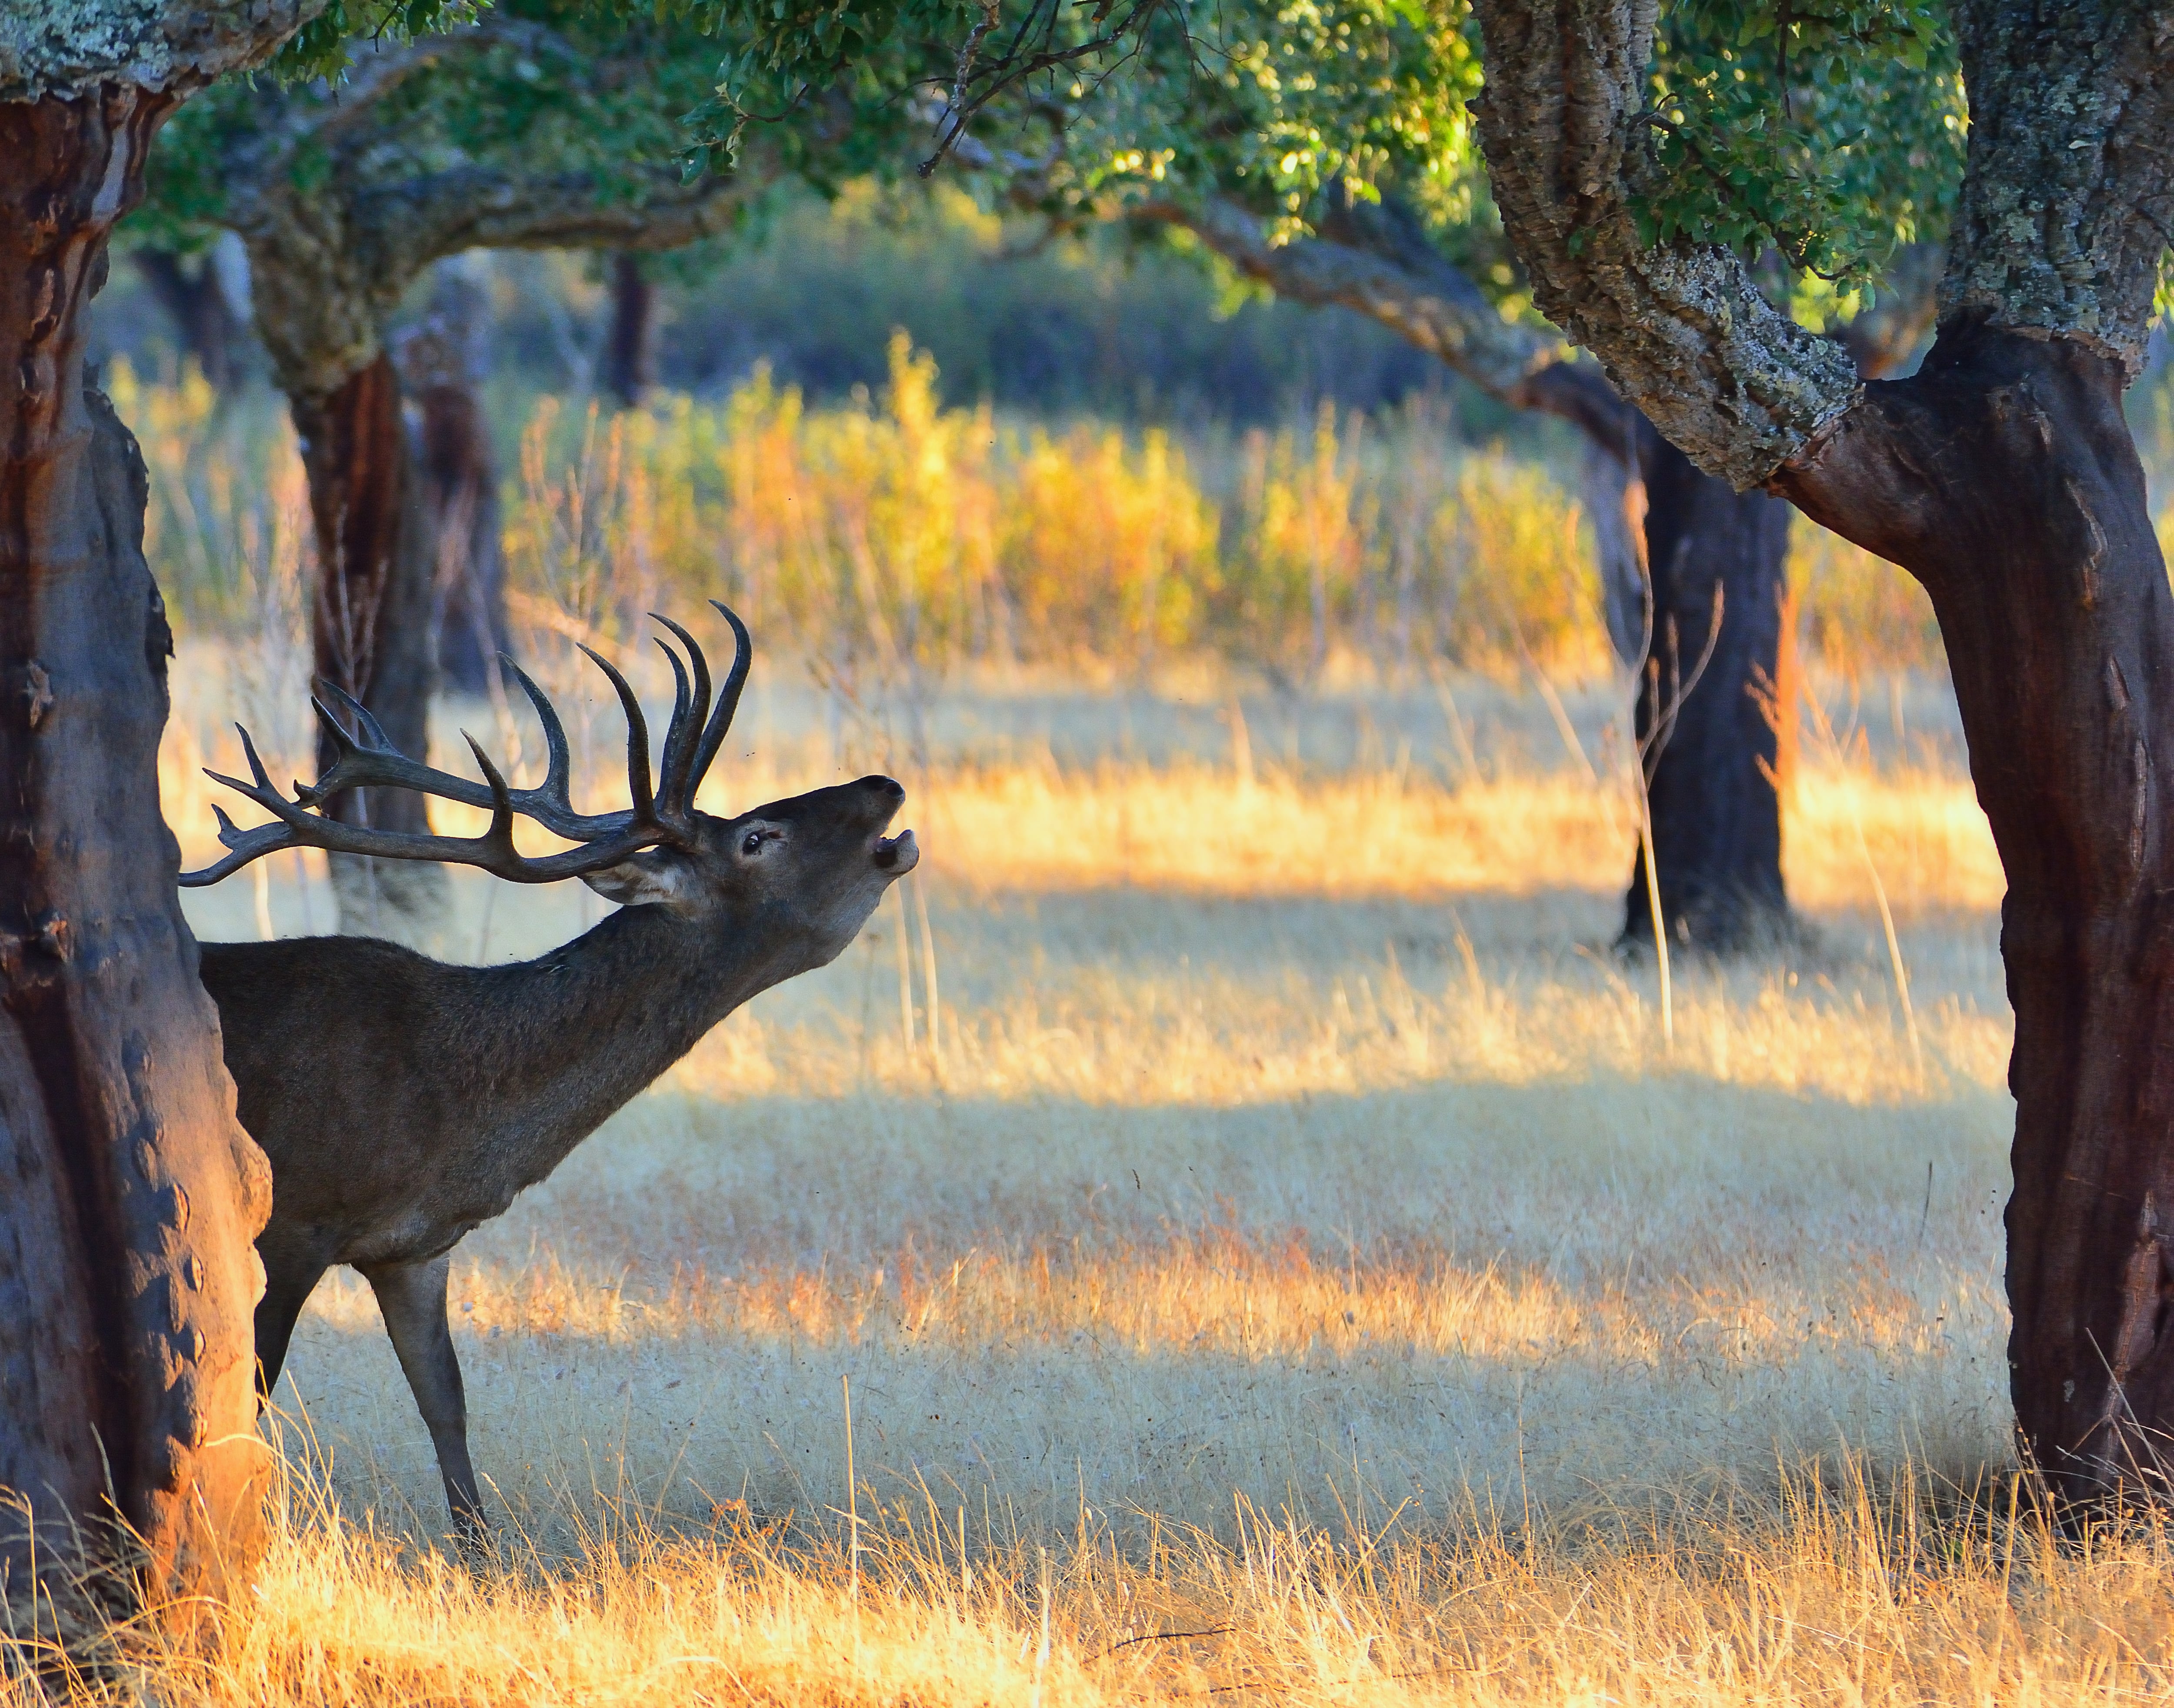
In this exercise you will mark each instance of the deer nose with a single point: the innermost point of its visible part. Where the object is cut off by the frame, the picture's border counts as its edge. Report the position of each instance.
(884, 789)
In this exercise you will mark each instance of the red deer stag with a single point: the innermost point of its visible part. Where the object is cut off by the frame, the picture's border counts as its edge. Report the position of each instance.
(403, 1101)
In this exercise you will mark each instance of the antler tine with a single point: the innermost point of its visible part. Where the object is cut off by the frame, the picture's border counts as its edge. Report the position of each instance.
(343, 744)
(255, 764)
(378, 765)
(551, 802)
(500, 836)
(245, 846)
(675, 728)
(365, 721)
(728, 699)
(682, 741)
(298, 827)
(637, 741)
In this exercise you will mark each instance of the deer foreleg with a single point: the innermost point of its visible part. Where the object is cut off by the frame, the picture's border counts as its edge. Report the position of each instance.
(412, 1298)
(289, 1278)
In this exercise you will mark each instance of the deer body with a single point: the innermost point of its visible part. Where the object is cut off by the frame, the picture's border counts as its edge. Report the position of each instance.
(402, 1102)
(454, 1088)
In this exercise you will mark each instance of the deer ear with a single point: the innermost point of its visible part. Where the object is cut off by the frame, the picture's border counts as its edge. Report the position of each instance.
(653, 875)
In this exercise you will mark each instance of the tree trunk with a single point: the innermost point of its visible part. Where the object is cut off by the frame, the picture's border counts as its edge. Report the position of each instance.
(441, 363)
(370, 629)
(129, 1196)
(1713, 772)
(460, 502)
(197, 305)
(2003, 476)
(630, 367)
(1712, 779)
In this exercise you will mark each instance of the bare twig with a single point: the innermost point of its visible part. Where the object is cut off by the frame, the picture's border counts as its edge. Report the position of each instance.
(973, 90)
(1160, 1637)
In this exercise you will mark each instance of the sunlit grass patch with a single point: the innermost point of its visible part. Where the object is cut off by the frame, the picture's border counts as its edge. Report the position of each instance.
(1817, 1582)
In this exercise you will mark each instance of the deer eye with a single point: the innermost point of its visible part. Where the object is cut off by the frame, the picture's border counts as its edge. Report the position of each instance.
(751, 843)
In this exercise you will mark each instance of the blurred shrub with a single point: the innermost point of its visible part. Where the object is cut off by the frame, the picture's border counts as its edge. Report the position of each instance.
(1859, 612)
(227, 523)
(1054, 325)
(892, 539)
(896, 535)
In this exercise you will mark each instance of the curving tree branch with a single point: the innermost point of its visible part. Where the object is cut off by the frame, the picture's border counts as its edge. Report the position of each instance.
(1681, 328)
(1390, 276)
(332, 254)
(475, 207)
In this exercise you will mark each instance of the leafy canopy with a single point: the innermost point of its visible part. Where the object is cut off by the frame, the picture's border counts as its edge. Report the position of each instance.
(596, 92)
(322, 47)
(1824, 138)
(1823, 134)
(1831, 134)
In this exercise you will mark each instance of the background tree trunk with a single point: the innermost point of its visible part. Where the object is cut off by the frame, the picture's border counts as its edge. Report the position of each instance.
(2003, 476)
(629, 365)
(442, 364)
(129, 1196)
(1713, 779)
(370, 629)
(196, 300)
(1712, 776)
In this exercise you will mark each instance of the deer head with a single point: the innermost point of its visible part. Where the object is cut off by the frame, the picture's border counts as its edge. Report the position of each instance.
(806, 872)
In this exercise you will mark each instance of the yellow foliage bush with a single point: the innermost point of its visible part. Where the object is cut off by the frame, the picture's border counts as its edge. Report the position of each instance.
(893, 538)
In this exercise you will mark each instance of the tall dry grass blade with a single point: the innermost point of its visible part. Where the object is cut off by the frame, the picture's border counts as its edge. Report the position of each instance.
(929, 974)
(1653, 906)
(1901, 971)
(852, 1494)
(906, 1028)
(1563, 727)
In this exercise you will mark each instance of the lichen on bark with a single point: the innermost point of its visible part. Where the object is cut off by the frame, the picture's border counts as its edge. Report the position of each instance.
(2065, 206)
(1681, 328)
(68, 48)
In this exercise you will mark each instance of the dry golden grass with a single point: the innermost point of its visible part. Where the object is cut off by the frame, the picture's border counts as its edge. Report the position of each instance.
(1818, 1587)
(1296, 1234)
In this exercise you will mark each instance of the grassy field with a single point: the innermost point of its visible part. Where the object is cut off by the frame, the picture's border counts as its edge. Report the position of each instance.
(1231, 1226)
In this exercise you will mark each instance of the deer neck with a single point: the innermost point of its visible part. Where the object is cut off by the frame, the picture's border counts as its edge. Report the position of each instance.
(576, 1033)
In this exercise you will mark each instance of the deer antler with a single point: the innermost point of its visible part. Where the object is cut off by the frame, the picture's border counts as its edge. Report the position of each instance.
(367, 759)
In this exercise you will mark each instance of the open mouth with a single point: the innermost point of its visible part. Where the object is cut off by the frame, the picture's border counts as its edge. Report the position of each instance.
(899, 853)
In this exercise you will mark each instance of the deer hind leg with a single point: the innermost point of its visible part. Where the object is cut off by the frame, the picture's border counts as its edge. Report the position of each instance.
(412, 1298)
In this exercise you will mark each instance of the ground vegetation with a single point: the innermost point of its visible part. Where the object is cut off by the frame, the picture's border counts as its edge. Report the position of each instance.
(2005, 475)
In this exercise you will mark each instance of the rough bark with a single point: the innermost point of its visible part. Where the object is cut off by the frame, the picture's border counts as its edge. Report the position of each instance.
(197, 303)
(129, 1196)
(630, 364)
(2065, 208)
(2003, 475)
(1682, 330)
(72, 48)
(371, 628)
